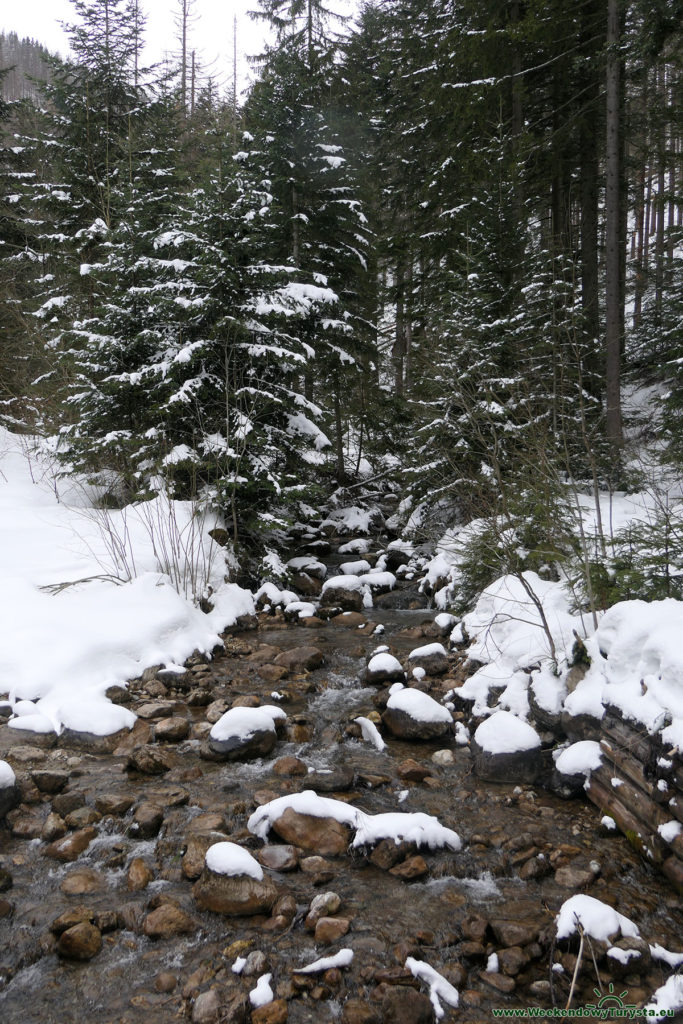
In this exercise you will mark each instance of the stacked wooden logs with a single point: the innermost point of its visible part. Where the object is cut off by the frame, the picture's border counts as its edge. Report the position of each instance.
(640, 786)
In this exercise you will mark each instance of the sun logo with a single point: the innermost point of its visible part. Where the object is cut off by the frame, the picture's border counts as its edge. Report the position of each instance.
(610, 998)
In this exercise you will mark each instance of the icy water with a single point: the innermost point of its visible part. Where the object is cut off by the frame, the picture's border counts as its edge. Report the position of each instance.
(435, 918)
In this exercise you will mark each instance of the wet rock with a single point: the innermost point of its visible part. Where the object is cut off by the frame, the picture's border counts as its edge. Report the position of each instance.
(512, 960)
(114, 804)
(168, 920)
(323, 905)
(234, 895)
(90, 743)
(9, 798)
(165, 982)
(443, 758)
(150, 760)
(341, 597)
(500, 982)
(628, 956)
(387, 853)
(405, 726)
(70, 918)
(432, 658)
(82, 942)
(25, 824)
(139, 875)
(402, 599)
(6, 880)
(574, 877)
(412, 771)
(157, 709)
(69, 848)
(256, 963)
(326, 836)
(272, 673)
(318, 869)
(207, 1008)
(358, 1011)
(330, 929)
(279, 857)
(81, 881)
(516, 933)
(300, 659)
(414, 867)
(292, 766)
(402, 1005)
(196, 846)
(338, 780)
(199, 698)
(217, 709)
(50, 780)
(506, 749)
(54, 828)
(172, 730)
(147, 821)
(65, 803)
(272, 1013)
(474, 927)
(82, 817)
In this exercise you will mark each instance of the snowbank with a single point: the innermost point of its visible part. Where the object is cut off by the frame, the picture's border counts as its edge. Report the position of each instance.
(64, 645)
(597, 919)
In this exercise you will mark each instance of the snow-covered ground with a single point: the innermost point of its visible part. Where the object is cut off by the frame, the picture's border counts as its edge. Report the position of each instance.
(90, 598)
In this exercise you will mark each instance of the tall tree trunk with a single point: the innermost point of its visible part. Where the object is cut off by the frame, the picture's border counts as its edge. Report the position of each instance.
(400, 338)
(612, 232)
(588, 187)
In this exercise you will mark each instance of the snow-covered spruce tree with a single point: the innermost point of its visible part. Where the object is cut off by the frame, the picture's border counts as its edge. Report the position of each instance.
(318, 227)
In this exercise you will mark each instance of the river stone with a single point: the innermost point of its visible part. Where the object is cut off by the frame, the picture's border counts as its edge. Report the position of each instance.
(54, 828)
(83, 816)
(50, 780)
(168, 920)
(404, 726)
(414, 867)
(359, 1011)
(234, 895)
(330, 929)
(300, 659)
(403, 1005)
(115, 804)
(157, 709)
(322, 905)
(631, 956)
(292, 766)
(71, 846)
(172, 730)
(82, 942)
(338, 780)
(196, 845)
(279, 857)
(81, 881)
(342, 597)
(207, 1008)
(275, 1012)
(516, 933)
(319, 870)
(149, 760)
(139, 875)
(327, 836)
(90, 743)
(147, 821)
(238, 748)
(506, 749)
(9, 798)
(432, 658)
(348, 620)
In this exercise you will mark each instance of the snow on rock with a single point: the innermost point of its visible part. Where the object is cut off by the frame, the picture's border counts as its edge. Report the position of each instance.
(370, 732)
(597, 919)
(422, 829)
(419, 706)
(355, 568)
(7, 776)
(231, 859)
(299, 610)
(359, 546)
(427, 650)
(309, 565)
(579, 758)
(341, 959)
(439, 988)
(270, 594)
(504, 733)
(378, 580)
(382, 668)
(263, 993)
(354, 520)
(242, 723)
(347, 582)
